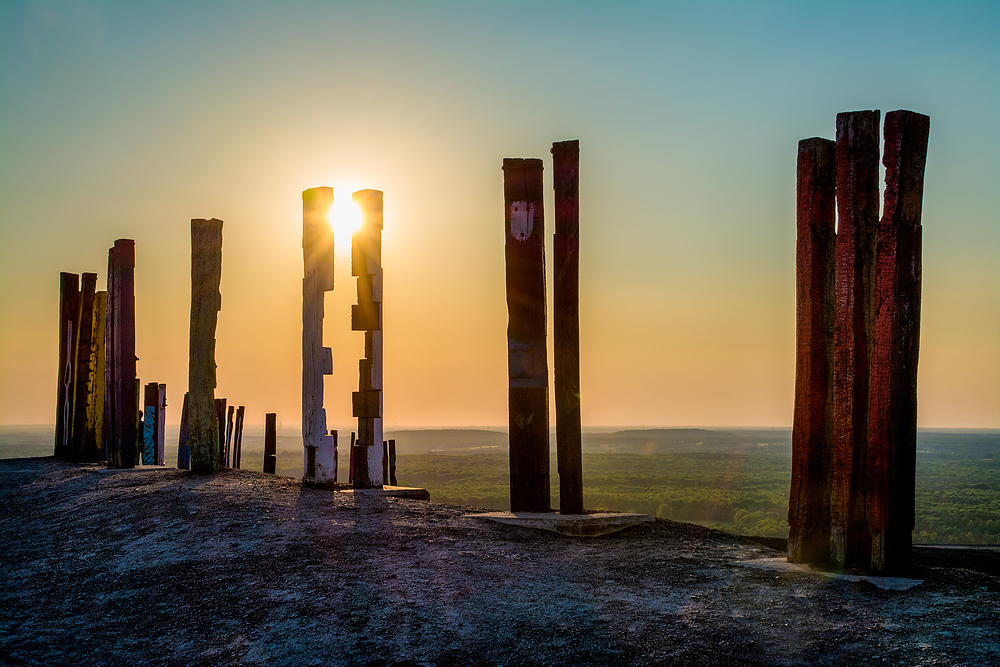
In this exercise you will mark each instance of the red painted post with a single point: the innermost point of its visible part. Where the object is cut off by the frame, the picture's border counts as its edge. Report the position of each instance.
(566, 324)
(892, 416)
(528, 393)
(857, 232)
(121, 389)
(812, 422)
(69, 325)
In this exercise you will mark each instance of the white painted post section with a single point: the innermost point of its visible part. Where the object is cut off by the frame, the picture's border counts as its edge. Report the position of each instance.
(366, 264)
(319, 465)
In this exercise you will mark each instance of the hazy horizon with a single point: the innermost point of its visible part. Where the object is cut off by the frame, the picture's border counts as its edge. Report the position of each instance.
(127, 120)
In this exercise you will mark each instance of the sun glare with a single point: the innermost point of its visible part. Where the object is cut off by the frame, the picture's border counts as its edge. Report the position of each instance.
(344, 216)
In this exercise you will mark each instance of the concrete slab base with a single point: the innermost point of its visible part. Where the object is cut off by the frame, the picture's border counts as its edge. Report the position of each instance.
(391, 492)
(138, 468)
(574, 525)
(781, 564)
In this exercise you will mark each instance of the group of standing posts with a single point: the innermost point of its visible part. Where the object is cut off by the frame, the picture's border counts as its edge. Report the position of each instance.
(366, 316)
(527, 364)
(320, 449)
(857, 341)
(80, 395)
(206, 302)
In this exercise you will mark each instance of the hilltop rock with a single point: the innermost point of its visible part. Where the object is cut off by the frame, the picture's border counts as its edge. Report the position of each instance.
(163, 567)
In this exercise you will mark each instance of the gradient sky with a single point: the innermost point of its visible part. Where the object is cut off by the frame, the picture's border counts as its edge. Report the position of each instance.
(127, 119)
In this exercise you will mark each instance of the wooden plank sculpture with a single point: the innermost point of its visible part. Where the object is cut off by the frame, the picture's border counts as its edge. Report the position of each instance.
(81, 371)
(366, 316)
(69, 329)
(528, 393)
(869, 454)
(812, 421)
(121, 384)
(270, 442)
(319, 466)
(566, 324)
(206, 302)
(94, 449)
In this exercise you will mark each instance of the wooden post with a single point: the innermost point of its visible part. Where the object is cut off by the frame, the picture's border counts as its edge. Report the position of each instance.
(151, 396)
(366, 265)
(528, 394)
(566, 324)
(220, 420)
(857, 232)
(184, 441)
(238, 437)
(121, 384)
(69, 325)
(319, 460)
(392, 463)
(385, 462)
(812, 421)
(206, 302)
(350, 469)
(161, 423)
(229, 434)
(94, 441)
(892, 415)
(270, 442)
(81, 374)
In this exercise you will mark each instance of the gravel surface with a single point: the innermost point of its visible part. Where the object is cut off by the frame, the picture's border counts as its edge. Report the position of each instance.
(162, 567)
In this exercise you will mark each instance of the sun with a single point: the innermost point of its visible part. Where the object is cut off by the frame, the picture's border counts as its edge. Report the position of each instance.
(344, 216)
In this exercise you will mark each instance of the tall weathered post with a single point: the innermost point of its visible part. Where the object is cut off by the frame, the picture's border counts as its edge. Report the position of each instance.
(857, 233)
(184, 437)
(121, 384)
(95, 439)
(220, 420)
(84, 349)
(566, 324)
(69, 330)
(366, 265)
(270, 442)
(892, 415)
(149, 425)
(528, 393)
(812, 421)
(206, 302)
(319, 465)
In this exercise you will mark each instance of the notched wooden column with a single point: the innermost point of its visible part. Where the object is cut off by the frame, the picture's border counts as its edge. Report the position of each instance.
(812, 425)
(857, 231)
(319, 463)
(566, 324)
(121, 384)
(206, 302)
(528, 393)
(366, 265)
(892, 416)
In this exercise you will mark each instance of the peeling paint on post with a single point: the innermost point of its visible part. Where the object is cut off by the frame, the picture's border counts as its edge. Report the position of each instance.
(121, 384)
(206, 302)
(812, 422)
(366, 265)
(566, 324)
(892, 415)
(319, 464)
(528, 393)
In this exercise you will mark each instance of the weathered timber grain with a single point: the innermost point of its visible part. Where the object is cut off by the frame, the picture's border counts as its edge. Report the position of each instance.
(812, 421)
(69, 324)
(121, 390)
(892, 416)
(93, 448)
(566, 324)
(366, 265)
(81, 377)
(319, 463)
(270, 442)
(857, 233)
(206, 302)
(528, 395)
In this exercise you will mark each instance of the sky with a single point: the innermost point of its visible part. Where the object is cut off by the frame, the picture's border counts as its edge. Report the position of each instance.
(126, 120)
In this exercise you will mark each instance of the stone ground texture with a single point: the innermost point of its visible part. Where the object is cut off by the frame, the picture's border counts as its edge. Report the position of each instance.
(241, 568)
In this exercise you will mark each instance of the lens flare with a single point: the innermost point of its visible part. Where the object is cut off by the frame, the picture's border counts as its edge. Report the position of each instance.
(344, 216)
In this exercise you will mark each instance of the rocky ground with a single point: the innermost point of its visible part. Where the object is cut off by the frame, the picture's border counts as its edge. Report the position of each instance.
(240, 568)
